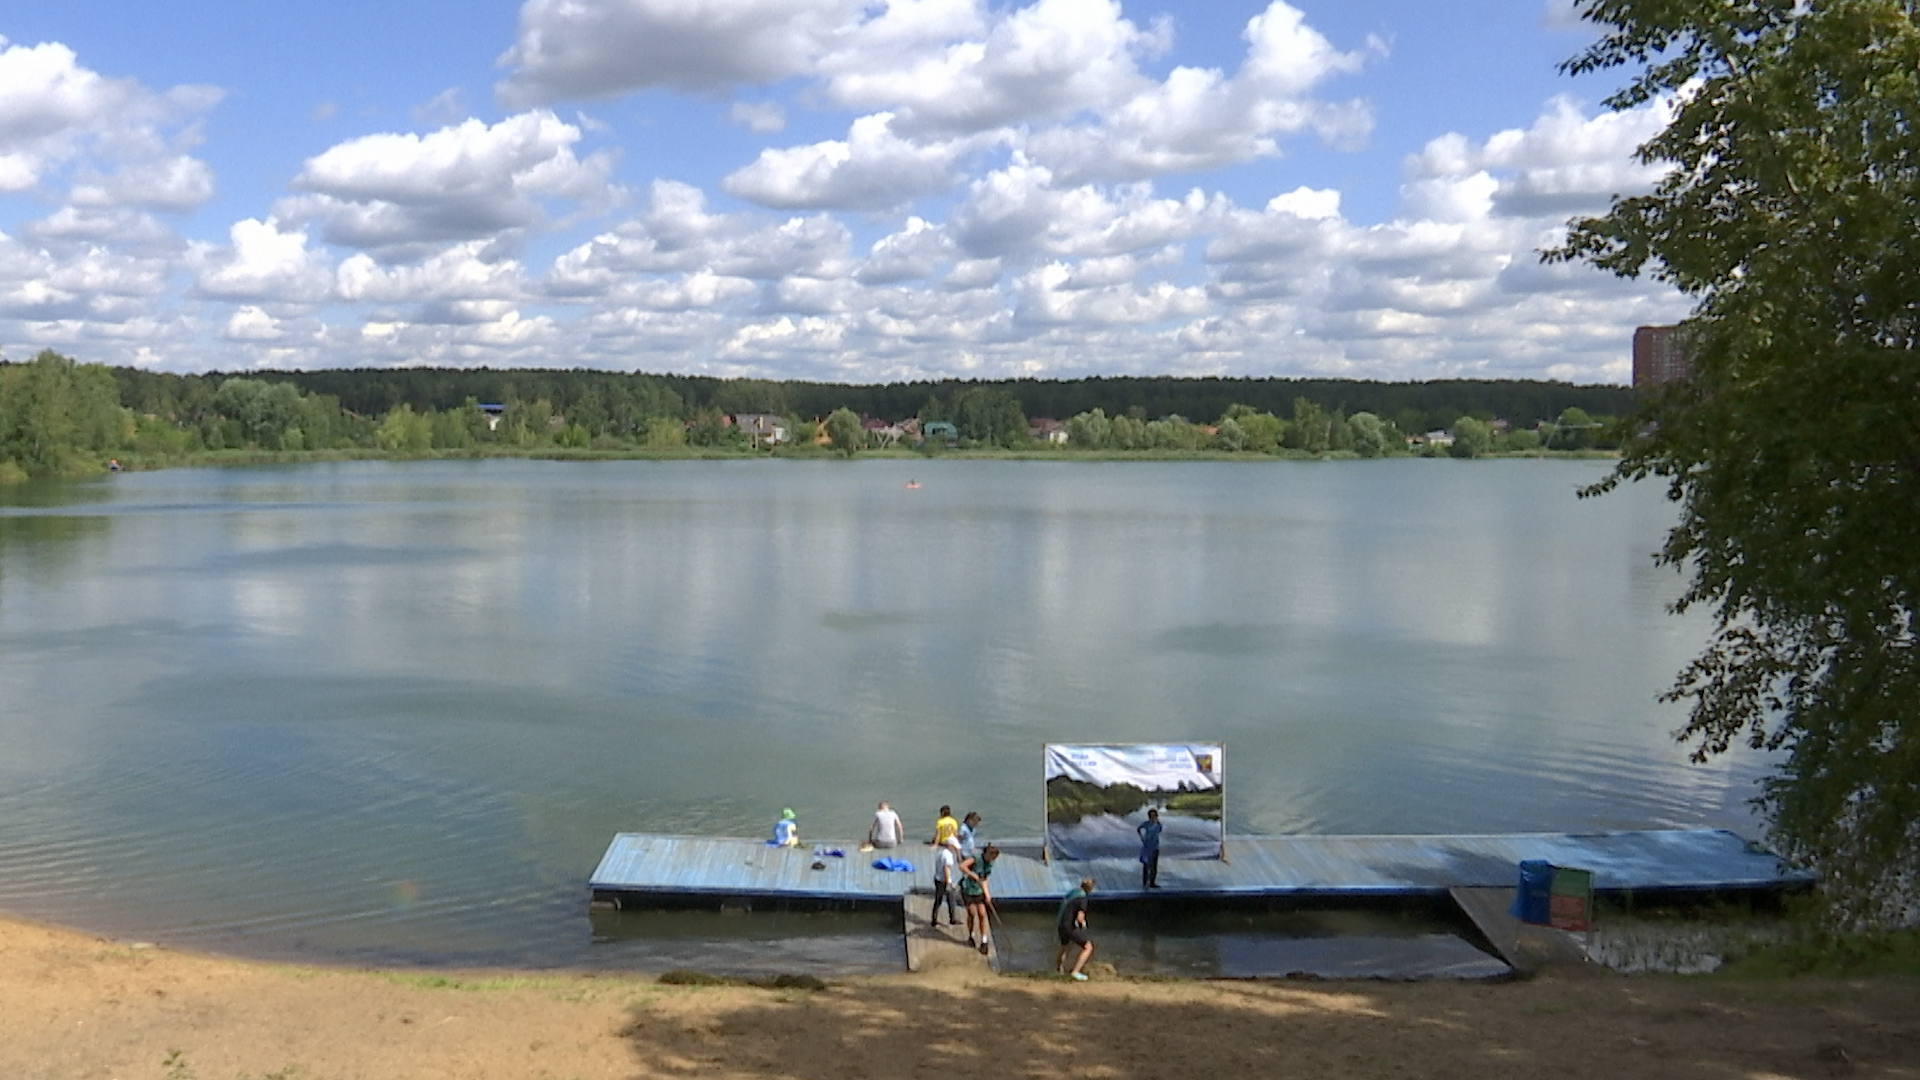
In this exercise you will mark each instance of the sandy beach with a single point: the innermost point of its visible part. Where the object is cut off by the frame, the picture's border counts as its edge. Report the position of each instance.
(78, 1006)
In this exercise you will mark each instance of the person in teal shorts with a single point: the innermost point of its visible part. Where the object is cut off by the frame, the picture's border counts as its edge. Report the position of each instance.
(978, 895)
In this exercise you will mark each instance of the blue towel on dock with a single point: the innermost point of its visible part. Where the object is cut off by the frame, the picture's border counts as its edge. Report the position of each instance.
(891, 863)
(829, 853)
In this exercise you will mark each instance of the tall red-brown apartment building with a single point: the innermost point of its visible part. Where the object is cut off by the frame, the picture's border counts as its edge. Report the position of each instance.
(1660, 355)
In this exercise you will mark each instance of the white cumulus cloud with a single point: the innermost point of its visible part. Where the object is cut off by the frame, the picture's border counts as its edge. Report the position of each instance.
(400, 195)
(872, 169)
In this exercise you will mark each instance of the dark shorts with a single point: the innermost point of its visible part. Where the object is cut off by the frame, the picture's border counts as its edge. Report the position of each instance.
(974, 899)
(1073, 935)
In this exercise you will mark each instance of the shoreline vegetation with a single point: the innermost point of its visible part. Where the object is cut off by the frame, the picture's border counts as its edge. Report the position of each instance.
(82, 1005)
(62, 419)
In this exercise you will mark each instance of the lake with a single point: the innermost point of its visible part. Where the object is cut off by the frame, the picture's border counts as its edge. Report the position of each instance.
(393, 712)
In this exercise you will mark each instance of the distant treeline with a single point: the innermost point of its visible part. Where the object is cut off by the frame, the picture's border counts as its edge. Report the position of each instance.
(584, 395)
(61, 418)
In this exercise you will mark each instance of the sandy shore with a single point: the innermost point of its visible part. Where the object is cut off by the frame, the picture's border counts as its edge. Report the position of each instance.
(74, 1006)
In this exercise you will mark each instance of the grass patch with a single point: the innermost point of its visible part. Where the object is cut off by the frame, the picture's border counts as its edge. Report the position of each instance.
(685, 977)
(1885, 952)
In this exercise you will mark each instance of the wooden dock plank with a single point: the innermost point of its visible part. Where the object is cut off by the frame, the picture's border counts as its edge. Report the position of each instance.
(931, 946)
(1526, 948)
(1699, 859)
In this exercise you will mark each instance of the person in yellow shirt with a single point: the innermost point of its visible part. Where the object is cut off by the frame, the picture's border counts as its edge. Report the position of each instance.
(946, 828)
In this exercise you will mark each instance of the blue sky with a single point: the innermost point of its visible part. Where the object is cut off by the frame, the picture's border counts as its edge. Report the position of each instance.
(853, 190)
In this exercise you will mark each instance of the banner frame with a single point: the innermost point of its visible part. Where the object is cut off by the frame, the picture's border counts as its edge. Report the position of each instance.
(1046, 849)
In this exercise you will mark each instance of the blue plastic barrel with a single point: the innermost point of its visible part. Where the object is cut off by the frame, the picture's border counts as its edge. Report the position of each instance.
(1532, 901)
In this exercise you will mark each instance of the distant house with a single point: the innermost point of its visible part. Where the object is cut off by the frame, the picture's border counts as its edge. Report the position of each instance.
(1440, 438)
(910, 428)
(882, 433)
(1047, 430)
(761, 429)
(493, 413)
(940, 429)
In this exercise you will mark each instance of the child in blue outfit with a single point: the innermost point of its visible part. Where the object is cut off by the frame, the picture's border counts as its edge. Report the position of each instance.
(1150, 850)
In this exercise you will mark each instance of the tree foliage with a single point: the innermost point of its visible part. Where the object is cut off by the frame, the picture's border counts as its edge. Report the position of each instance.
(843, 428)
(58, 417)
(1791, 214)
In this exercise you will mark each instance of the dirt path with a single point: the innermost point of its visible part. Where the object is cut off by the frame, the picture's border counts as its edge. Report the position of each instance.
(73, 1006)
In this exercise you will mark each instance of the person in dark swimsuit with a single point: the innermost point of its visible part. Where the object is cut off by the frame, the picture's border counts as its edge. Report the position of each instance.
(1072, 926)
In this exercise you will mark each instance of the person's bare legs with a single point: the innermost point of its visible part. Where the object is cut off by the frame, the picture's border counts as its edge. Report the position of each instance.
(1086, 951)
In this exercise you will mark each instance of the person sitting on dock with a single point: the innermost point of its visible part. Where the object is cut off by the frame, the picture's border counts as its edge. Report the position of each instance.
(945, 827)
(978, 895)
(1072, 924)
(786, 831)
(1149, 831)
(887, 830)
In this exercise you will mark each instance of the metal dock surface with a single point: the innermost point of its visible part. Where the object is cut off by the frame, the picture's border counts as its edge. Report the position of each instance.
(646, 866)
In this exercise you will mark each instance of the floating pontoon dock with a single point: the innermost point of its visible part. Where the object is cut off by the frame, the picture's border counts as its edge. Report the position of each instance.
(641, 868)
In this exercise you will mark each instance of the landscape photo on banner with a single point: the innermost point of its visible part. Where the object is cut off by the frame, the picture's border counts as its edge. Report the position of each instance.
(1099, 795)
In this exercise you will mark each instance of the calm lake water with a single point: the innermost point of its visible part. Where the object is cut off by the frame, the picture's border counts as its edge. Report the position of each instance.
(392, 712)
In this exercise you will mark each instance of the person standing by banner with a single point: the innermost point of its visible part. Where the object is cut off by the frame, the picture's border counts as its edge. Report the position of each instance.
(1072, 925)
(1149, 831)
(977, 894)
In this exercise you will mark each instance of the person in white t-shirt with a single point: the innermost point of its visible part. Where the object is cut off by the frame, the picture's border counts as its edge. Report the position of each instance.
(887, 830)
(946, 880)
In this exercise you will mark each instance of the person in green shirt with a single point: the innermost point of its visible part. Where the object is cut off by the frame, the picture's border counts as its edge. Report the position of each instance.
(978, 896)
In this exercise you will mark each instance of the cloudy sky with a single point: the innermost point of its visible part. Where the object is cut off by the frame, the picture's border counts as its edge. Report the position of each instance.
(849, 190)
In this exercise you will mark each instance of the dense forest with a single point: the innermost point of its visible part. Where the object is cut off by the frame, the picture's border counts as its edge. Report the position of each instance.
(1420, 406)
(62, 418)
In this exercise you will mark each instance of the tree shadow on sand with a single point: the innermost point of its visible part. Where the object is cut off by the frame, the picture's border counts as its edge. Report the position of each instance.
(1580, 1027)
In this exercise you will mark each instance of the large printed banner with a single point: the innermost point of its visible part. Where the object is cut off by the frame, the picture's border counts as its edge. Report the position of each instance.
(1097, 797)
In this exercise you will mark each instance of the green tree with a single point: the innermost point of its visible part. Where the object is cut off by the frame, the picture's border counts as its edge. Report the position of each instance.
(404, 431)
(1370, 435)
(1089, 430)
(1311, 427)
(843, 428)
(528, 423)
(1790, 213)
(989, 415)
(710, 428)
(1574, 430)
(664, 432)
(1471, 438)
(264, 410)
(1231, 436)
(58, 417)
(1265, 431)
(452, 429)
(1127, 433)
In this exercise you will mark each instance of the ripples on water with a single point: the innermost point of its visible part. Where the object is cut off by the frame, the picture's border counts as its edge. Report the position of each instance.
(393, 712)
